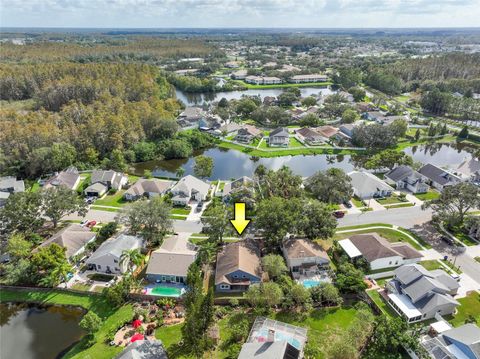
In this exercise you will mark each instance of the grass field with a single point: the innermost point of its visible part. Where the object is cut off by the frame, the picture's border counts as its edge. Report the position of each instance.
(360, 226)
(389, 234)
(428, 196)
(381, 304)
(469, 309)
(400, 205)
(295, 143)
(389, 200)
(112, 200)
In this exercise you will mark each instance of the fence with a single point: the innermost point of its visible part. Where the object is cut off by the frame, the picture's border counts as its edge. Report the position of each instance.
(45, 289)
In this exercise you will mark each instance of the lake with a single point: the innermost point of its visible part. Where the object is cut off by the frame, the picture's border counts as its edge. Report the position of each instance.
(233, 164)
(33, 332)
(191, 99)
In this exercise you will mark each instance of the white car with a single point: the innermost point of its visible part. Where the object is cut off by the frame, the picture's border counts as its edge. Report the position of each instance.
(84, 222)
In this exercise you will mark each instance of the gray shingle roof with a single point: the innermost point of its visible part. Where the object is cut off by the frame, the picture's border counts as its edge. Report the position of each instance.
(172, 258)
(468, 334)
(399, 173)
(366, 182)
(11, 184)
(438, 175)
(144, 349)
(240, 255)
(116, 246)
(73, 238)
(280, 132)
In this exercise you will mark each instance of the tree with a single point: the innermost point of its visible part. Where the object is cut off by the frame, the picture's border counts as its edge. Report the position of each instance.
(264, 296)
(60, 201)
(18, 272)
(374, 136)
(350, 279)
(347, 77)
(90, 322)
(107, 231)
(417, 135)
(463, 133)
(203, 166)
(330, 186)
(180, 172)
(436, 102)
(18, 247)
(50, 265)
(309, 120)
(317, 221)
(309, 101)
(22, 213)
(274, 265)
(454, 202)
(216, 221)
(326, 294)
(399, 127)
(297, 297)
(358, 93)
(286, 98)
(151, 219)
(432, 130)
(349, 116)
(388, 159)
(282, 183)
(131, 258)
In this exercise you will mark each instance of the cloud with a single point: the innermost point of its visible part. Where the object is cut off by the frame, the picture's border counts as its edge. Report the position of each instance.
(244, 13)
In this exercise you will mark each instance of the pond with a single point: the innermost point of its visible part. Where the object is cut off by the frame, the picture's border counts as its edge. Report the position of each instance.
(230, 164)
(191, 99)
(36, 332)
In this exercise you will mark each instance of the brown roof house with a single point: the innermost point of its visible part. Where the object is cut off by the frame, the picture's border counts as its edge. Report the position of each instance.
(73, 238)
(379, 252)
(147, 188)
(248, 133)
(69, 178)
(238, 266)
(309, 135)
(301, 255)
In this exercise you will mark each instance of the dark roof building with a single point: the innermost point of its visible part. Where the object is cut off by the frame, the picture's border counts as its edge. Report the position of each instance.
(144, 349)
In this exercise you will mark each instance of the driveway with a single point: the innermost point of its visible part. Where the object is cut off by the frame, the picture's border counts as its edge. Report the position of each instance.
(374, 205)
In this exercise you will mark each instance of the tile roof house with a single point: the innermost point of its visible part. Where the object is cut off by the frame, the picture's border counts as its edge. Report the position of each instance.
(437, 177)
(102, 181)
(9, 185)
(69, 178)
(469, 170)
(454, 343)
(405, 177)
(309, 135)
(106, 258)
(418, 294)
(170, 262)
(239, 75)
(302, 254)
(238, 266)
(147, 188)
(189, 188)
(247, 133)
(144, 349)
(379, 252)
(279, 137)
(271, 339)
(73, 238)
(190, 117)
(327, 132)
(366, 185)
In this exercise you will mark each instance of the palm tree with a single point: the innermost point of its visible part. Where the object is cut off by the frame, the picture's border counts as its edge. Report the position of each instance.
(180, 172)
(207, 252)
(131, 258)
(59, 273)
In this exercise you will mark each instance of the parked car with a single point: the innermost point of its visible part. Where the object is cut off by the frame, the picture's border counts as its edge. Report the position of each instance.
(91, 224)
(199, 207)
(84, 222)
(347, 204)
(90, 200)
(448, 240)
(339, 214)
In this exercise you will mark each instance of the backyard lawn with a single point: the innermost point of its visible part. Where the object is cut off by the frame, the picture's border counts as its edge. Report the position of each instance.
(295, 143)
(381, 304)
(469, 309)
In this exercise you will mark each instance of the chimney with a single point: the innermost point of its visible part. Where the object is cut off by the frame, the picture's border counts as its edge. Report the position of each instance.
(271, 336)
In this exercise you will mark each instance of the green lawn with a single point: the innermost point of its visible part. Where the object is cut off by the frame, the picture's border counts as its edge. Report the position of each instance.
(477, 259)
(431, 264)
(389, 200)
(295, 143)
(180, 211)
(389, 234)
(381, 304)
(35, 187)
(357, 202)
(469, 308)
(104, 209)
(431, 194)
(113, 200)
(360, 226)
(81, 286)
(400, 205)
(112, 317)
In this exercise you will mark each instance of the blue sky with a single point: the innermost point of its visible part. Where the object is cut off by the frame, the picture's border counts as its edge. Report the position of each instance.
(240, 13)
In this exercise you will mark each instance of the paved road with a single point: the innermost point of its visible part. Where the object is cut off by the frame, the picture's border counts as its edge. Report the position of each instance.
(407, 217)
(104, 216)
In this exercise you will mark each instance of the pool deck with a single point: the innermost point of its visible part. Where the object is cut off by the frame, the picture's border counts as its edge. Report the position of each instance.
(148, 289)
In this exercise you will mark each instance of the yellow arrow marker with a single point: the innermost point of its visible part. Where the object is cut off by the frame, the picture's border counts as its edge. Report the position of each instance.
(240, 223)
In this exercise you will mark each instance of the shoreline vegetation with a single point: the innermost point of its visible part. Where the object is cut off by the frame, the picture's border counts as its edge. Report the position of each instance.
(283, 85)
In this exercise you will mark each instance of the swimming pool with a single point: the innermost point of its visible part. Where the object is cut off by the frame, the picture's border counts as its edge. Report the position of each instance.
(164, 290)
(279, 336)
(309, 283)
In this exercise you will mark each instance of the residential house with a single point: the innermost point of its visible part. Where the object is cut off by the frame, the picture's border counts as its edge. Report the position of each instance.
(418, 294)
(347, 96)
(364, 106)
(238, 266)
(239, 75)
(70, 178)
(9, 185)
(347, 129)
(210, 123)
(366, 185)
(279, 137)
(256, 80)
(302, 255)
(271, 80)
(328, 133)
(247, 133)
(229, 129)
(405, 177)
(232, 64)
(73, 238)
(144, 349)
(376, 116)
(187, 72)
(443, 341)
(437, 177)
(269, 100)
(106, 258)
(310, 136)
(102, 181)
(170, 262)
(271, 339)
(308, 78)
(379, 252)
(189, 188)
(190, 117)
(148, 188)
(242, 184)
(469, 170)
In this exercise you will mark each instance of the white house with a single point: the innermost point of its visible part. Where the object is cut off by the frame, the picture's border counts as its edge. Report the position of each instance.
(106, 258)
(102, 181)
(378, 252)
(366, 185)
(189, 188)
(405, 177)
